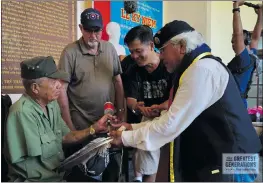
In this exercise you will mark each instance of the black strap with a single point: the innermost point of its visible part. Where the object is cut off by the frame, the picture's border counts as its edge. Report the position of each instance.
(253, 59)
(244, 69)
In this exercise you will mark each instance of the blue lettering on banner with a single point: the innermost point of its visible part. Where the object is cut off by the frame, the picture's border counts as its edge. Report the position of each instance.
(148, 13)
(240, 163)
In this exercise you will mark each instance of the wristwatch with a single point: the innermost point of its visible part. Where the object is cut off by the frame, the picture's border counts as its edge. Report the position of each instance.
(91, 130)
(236, 9)
(121, 110)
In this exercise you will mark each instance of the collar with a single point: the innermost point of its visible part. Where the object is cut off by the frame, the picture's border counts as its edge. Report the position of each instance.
(199, 50)
(36, 106)
(84, 48)
(189, 58)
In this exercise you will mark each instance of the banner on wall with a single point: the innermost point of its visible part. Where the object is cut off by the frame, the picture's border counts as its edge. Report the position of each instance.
(117, 22)
(148, 13)
(30, 29)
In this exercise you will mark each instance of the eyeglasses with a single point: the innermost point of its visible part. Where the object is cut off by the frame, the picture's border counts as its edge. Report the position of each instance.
(93, 30)
(162, 48)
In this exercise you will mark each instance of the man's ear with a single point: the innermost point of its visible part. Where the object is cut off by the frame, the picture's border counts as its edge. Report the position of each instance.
(35, 88)
(152, 46)
(182, 46)
(81, 27)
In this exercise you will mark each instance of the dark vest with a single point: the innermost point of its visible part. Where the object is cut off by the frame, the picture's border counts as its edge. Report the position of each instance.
(225, 127)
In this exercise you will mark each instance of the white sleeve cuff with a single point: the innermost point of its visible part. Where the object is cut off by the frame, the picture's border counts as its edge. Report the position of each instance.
(127, 139)
(138, 125)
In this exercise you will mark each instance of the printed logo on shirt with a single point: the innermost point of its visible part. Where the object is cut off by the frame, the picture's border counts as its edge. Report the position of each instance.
(154, 89)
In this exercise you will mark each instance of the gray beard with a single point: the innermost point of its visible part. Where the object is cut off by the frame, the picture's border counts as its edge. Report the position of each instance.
(92, 44)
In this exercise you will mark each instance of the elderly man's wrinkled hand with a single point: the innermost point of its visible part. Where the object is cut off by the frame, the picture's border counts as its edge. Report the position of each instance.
(116, 135)
(102, 124)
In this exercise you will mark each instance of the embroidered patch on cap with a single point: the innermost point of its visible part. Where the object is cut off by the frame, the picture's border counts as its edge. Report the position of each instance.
(93, 16)
(157, 40)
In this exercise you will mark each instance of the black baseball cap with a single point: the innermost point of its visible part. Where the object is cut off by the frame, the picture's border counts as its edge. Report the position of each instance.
(91, 18)
(170, 30)
(39, 67)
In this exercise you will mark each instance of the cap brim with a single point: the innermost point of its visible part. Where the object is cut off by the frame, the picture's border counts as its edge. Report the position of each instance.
(91, 25)
(60, 75)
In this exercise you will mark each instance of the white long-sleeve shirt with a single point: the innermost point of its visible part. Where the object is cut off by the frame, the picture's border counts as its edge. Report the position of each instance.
(203, 84)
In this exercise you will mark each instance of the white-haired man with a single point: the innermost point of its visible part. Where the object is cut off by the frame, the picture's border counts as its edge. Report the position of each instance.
(206, 117)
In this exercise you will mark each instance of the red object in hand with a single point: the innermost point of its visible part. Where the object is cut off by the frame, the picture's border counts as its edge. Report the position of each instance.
(108, 108)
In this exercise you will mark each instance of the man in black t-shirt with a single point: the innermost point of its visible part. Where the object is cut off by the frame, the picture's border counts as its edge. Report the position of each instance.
(147, 86)
(126, 64)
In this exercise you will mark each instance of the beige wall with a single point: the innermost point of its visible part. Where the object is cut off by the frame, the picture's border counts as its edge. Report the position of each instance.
(212, 19)
(195, 13)
(81, 6)
(221, 27)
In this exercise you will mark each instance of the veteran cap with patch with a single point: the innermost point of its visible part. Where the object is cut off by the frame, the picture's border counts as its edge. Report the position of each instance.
(170, 30)
(39, 67)
(90, 18)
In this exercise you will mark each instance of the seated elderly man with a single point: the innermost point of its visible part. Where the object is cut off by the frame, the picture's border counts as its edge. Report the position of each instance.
(35, 129)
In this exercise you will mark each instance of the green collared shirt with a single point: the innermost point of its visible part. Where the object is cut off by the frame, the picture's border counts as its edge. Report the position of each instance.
(33, 142)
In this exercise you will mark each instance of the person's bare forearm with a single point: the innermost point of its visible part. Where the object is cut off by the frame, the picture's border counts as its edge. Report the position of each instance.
(119, 93)
(164, 105)
(237, 30)
(131, 103)
(237, 24)
(257, 30)
(258, 27)
(76, 136)
(64, 107)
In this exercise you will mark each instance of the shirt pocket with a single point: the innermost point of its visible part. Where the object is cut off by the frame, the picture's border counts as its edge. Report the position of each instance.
(59, 136)
(49, 145)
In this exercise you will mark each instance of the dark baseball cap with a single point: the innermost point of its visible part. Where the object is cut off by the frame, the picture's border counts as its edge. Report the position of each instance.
(39, 67)
(170, 30)
(90, 18)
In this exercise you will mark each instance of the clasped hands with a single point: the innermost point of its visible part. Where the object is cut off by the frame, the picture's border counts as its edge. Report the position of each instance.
(149, 112)
(238, 3)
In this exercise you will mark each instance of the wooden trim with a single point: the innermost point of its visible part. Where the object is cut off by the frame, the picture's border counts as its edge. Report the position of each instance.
(87, 4)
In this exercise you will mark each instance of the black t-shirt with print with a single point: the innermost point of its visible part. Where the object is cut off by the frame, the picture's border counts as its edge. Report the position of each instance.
(151, 88)
(126, 64)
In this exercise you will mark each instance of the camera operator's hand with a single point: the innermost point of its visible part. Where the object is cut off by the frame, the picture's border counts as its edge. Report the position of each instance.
(238, 3)
(260, 10)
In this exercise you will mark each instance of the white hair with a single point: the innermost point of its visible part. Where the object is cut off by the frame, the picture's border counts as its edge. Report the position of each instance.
(193, 39)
